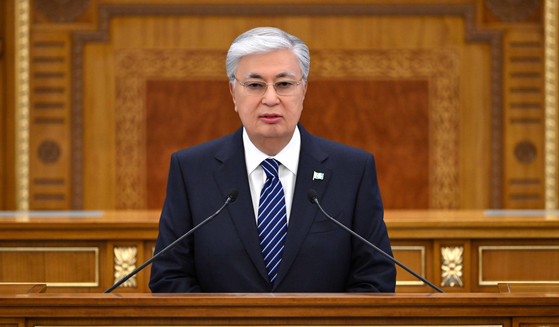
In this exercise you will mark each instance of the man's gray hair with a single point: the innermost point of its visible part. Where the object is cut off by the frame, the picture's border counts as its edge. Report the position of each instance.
(264, 40)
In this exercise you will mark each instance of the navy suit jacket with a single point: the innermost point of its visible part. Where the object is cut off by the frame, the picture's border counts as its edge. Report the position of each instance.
(225, 254)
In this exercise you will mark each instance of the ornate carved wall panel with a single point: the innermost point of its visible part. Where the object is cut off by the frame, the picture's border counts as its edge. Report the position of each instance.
(437, 181)
(50, 122)
(524, 120)
(492, 124)
(432, 66)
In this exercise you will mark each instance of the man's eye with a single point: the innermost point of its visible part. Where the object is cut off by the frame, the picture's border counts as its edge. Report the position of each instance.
(285, 84)
(254, 85)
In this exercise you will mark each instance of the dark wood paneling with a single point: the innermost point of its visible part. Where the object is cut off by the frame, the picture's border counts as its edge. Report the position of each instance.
(7, 106)
(387, 118)
(2, 101)
(181, 114)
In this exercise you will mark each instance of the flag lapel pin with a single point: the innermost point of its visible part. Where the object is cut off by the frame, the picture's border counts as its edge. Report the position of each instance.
(317, 175)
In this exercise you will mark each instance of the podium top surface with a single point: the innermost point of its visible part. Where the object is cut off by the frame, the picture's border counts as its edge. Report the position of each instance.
(405, 224)
(279, 305)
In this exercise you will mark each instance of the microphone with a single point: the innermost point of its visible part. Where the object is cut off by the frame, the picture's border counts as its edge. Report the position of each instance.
(313, 197)
(231, 197)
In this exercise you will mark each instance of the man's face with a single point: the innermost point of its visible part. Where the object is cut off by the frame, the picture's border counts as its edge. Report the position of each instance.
(269, 118)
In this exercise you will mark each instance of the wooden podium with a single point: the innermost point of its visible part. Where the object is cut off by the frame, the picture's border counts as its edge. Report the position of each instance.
(459, 251)
(412, 309)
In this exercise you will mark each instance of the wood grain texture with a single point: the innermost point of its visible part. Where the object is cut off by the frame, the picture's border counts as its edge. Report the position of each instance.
(528, 287)
(3, 108)
(381, 31)
(524, 120)
(165, 31)
(282, 309)
(181, 114)
(22, 288)
(99, 129)
(8, 201)
(387, 118)
(426, 229)
(50, 122)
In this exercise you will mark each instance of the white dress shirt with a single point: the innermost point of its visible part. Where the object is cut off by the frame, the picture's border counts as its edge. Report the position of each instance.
(289, 162)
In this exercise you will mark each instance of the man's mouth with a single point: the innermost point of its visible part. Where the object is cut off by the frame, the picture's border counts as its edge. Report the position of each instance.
(270, 118)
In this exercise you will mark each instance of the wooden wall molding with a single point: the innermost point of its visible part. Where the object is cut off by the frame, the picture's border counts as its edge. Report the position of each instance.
(467, 11)
(439, 66)
(61, 11)
(551, 104)
(22, 103)
(513, 11)
(133, 68)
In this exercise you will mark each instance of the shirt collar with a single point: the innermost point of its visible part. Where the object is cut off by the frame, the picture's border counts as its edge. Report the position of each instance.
(288, 156)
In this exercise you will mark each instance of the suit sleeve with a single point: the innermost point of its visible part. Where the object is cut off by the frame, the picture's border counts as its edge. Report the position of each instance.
(370, 271)
(174, 271)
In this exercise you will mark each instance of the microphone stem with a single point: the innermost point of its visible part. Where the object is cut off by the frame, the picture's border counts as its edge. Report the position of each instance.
(170, 246)
(378, 249)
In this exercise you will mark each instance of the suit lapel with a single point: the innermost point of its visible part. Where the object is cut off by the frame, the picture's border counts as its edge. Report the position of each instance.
(312, 159)
(232, 175)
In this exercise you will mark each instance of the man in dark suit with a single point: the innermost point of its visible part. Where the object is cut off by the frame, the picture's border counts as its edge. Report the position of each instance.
(272, 239)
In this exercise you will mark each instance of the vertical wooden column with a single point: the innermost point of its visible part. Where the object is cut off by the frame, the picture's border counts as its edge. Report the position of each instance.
(22, 103)
(550, 25)
(50, 121)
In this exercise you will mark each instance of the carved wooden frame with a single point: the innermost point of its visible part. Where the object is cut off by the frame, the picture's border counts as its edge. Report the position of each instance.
(440, 67)
(467, 11)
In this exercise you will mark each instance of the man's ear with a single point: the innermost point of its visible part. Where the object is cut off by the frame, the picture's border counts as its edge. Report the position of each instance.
(232, 90)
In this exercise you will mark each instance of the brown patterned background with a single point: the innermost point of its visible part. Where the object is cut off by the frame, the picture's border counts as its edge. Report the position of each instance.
(388, 118)
(425, 156)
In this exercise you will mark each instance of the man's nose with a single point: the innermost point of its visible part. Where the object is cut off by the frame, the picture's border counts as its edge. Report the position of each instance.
(270, 95)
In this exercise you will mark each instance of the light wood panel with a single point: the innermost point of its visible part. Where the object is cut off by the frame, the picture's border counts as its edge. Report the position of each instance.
(321, 33)
(22, 288)
(50, 122)
(524, 120)
(2, 102)
(281, 309)
(528, 287)
(489, 172)
(7, 92)
(59, 266)
(443, 246)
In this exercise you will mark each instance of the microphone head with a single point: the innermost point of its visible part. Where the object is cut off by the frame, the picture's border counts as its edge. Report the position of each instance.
(232, 195)
(311, 195)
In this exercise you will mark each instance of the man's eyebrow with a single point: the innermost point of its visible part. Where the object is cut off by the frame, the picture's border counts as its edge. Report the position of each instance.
(284, 74)
(253, 75)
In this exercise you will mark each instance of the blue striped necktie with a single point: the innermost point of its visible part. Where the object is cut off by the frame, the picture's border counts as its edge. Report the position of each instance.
(272, 218)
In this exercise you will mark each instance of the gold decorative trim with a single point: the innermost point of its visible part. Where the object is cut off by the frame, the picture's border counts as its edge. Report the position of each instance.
(22, 103)
(421, 249)
(125, 263)
(289, 326)
(439, 66)
(95, 250)
(452, 258)
(482, 282)
(550, 25)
